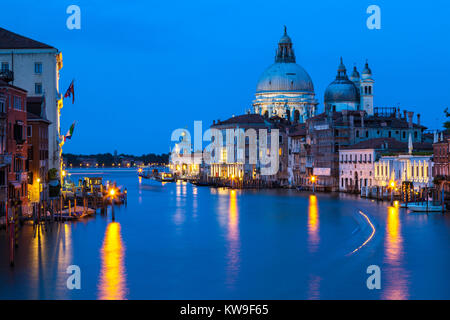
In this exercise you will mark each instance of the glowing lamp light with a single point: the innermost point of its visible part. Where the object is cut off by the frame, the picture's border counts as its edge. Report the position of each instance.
(63, 173)
(313, 178)
(112, 192)
(38, 180)
(392, 184)
(396, 203)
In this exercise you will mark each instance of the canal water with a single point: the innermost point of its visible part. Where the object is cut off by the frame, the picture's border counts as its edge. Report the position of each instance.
(178, 241)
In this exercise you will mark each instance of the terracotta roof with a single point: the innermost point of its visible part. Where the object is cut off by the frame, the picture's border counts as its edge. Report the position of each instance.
(369, 121)
(6, 84)
(389, 144)
(245, 118)
(11, 40)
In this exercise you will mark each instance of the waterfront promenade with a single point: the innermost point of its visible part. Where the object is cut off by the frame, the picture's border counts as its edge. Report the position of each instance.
(179, 241)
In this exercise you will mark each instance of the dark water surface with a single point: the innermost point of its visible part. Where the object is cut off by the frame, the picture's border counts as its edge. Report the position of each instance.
(178, 241)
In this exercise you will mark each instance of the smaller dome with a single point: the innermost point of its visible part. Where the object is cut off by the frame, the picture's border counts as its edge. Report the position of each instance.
(342, 89)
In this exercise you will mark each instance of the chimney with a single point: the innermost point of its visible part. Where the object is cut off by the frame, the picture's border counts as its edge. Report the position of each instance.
(404, 114)
(214, 122)
(410, 119)
(418, 119)
(362, 118)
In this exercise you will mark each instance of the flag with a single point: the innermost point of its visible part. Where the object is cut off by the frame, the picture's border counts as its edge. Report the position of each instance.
(70, 92)
(70, 132)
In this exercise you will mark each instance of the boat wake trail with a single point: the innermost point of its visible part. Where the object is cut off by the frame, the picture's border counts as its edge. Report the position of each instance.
(370, 236)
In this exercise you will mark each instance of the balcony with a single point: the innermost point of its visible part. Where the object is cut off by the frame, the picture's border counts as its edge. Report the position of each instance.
(7, 75)
(5, 159)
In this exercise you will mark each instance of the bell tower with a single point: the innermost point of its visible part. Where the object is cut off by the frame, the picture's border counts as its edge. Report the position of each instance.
(366, 87)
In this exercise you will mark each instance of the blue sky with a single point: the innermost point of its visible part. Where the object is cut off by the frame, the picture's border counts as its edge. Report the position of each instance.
(145, 68)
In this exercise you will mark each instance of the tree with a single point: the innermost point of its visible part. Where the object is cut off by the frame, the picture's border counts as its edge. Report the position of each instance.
(447, 123)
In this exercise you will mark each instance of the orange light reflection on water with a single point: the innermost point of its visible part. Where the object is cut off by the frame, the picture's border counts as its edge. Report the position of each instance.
(313, 224)
(112, 284)
(397, 282)
(233, 239)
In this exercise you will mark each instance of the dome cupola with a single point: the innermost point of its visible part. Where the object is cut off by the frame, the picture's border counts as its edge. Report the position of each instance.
(367, 73)
(355, 75)
(342, 90)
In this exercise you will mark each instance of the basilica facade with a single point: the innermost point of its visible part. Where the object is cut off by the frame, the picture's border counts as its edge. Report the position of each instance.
(285, 89)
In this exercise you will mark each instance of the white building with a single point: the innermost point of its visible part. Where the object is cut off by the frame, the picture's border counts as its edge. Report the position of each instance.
(35, 66)
(405, 167)
(356, 169)
(285, 89)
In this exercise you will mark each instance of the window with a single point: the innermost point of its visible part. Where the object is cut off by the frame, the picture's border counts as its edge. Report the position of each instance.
(357, 133)
(404, 134)
(38, 67)
(2, 107)
(5, 66)
(415, 134)
(38, 88)
(367, 134)
(29, 131)
(17, 103)
(390, 134)
(18, 133)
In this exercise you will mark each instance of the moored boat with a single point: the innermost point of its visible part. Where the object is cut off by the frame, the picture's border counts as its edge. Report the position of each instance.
(425, 207)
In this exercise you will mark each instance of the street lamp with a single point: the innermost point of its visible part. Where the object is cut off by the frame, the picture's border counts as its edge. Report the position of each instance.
(392, 186)
(313, 180)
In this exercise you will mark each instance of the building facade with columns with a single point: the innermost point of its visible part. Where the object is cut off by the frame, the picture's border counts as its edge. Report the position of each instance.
(417, 169)
(285, 89)
(357, 161)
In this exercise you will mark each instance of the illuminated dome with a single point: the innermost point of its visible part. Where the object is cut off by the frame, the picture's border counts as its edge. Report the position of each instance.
(285, 89)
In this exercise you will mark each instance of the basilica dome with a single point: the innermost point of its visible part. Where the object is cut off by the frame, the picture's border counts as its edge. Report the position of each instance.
(285, 89)
(285, 77)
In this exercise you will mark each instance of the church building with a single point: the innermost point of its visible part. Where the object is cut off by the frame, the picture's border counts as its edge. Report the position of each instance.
(285, 89)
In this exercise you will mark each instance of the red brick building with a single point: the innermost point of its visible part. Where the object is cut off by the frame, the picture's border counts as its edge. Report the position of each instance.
(441, 158)
(37, 135)
(15, 142)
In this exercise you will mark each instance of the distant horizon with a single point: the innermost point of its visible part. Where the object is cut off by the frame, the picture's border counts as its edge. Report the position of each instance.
(137, 80)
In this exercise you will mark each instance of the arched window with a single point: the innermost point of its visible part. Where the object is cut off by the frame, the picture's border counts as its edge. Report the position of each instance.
(296, 115)
(370, 90)
(357, 133)
(266, 114)
(288, 114)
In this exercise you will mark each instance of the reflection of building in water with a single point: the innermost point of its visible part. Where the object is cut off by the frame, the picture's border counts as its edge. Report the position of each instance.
(397, 284)
(112, 284)
(46, 260)
(313, 224)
